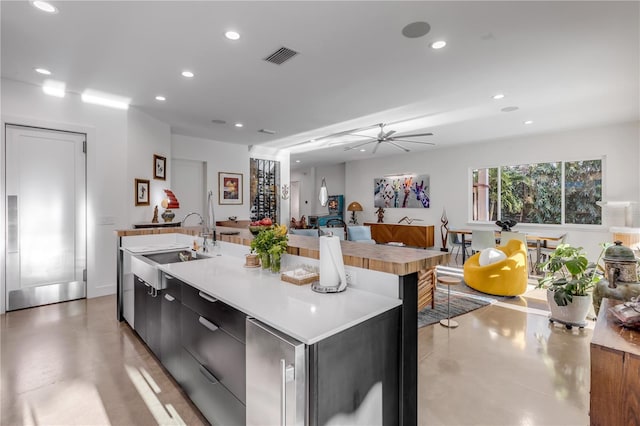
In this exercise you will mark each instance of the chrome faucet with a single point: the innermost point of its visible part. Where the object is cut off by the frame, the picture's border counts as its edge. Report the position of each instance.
(204, 232)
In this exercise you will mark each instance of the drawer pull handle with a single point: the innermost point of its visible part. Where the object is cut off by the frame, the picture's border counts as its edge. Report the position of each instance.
(207, 375)
(208, 324)
(207, 297)
(169, 297)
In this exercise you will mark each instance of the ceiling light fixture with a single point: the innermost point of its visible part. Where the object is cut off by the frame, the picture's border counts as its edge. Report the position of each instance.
(238, 124)
(438, 44)
(528, 122)
(54, 88)
(105, 99)
(232, 35)
(160, 98)
(44, 6)
(187, 74)
(498, 96)
(297, 161)
(43, 71)
(362, 150)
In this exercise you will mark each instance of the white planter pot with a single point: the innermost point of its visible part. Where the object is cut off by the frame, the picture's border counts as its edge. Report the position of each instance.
(575, 313)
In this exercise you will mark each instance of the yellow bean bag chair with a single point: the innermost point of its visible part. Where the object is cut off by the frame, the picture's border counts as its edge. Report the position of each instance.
(507, 277)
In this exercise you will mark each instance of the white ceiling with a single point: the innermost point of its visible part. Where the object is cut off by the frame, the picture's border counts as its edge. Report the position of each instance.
(564, 64)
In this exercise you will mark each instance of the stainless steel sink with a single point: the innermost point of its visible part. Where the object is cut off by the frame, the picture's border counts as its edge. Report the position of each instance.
(173, 257)
(145, 266)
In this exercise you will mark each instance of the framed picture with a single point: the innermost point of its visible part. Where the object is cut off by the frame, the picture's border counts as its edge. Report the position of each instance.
(142, 192)
(159, 167)
(229, 188)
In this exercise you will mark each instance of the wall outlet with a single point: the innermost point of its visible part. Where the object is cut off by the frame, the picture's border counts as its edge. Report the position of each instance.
(351, 277)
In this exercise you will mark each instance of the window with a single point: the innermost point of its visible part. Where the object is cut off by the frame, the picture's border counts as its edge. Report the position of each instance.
(539, 193)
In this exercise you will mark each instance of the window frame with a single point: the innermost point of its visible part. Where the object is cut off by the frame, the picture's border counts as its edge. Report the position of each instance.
(562, 224)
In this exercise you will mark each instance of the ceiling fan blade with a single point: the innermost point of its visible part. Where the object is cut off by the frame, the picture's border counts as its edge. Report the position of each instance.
(398, 146)
(362, 136)
(415, 135)
(405, 140)
(389, 133)
(375, 148)
(349, 148)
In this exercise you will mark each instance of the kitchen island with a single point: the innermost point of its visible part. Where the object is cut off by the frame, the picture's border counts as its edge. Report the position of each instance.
(404, 263)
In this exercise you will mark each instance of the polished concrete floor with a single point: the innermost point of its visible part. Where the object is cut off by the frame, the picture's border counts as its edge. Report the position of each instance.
(74, 364)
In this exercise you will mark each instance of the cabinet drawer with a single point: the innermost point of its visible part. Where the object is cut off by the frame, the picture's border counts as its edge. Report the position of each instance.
(215, 402)
(171, 286)
(219, 352)
(221, 314)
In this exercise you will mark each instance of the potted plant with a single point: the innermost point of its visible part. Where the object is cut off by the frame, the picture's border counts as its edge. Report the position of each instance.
(569, 278)
(270, 244)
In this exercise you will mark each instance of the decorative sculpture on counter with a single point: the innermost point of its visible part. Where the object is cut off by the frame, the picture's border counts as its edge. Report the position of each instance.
(507, 224)
(408, 220)
(155, 215)
(444, 230)
(380, 213)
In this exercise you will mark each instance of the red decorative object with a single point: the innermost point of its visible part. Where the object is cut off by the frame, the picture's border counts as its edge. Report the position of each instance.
(173, 201)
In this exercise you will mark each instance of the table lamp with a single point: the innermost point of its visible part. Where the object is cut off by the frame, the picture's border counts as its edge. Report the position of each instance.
(354, 207)
(171, 202)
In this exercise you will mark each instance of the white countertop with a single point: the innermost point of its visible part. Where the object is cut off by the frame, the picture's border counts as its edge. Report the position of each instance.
(295, 310)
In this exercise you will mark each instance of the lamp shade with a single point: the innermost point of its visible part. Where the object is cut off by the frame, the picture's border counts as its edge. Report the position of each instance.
(173, 201)
(354, 206)
(324, 194)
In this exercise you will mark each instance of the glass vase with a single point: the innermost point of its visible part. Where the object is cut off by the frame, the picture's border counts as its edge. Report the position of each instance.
(265, 260)
(275, 263)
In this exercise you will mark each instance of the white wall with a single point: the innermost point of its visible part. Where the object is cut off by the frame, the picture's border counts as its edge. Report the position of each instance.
(219, 157)
(147, 136)
(310, 180)
(449, 170)
(107, 186)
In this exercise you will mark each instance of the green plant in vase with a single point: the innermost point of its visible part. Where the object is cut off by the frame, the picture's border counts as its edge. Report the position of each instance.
(270, 244)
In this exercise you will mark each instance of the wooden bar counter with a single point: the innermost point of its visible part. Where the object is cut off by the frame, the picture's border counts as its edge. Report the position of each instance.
(414, 268)
(615, 371)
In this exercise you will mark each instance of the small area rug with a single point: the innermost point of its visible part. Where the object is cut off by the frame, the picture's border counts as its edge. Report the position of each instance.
(460, 304)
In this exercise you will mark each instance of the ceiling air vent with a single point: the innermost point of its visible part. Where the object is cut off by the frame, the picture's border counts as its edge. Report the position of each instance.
(281, 55)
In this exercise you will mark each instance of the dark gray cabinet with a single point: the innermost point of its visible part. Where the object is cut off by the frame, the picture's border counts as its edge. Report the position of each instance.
(170, 329)
(147, 314)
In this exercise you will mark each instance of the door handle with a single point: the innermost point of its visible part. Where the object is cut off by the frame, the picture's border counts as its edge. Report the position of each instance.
(287, 373)
(169, 297)
(207, 297)
(12, 224)
(208, 324)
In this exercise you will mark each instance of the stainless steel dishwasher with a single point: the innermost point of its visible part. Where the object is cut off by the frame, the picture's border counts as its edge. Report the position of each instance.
(276, 377)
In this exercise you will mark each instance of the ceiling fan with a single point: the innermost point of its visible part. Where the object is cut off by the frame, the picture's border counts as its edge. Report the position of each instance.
(390, 138)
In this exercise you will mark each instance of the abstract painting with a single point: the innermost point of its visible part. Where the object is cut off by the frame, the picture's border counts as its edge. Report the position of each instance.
(401, 191)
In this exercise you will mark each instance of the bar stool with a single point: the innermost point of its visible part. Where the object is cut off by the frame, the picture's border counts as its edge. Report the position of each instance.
(449, 281)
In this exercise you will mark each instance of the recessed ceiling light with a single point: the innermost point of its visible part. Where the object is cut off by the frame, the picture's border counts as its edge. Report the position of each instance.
(297, 161)
(187, 74)
(438, 44)
(160, 98)
(44, 6)
(528, 122)
(232, 35)
(498, 96)
(362, 150)
(54, 88)
(42, 71)
(238, 124)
